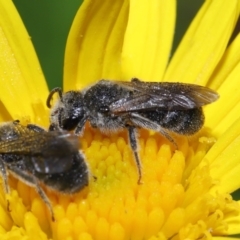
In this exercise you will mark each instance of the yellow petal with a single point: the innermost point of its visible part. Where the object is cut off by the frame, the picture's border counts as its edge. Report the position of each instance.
(91, 31)
(224, 160)
(225, 79)
(21, 78)
(227, 106)
(134, 41)
(204, 42)
(233, 225)
(148, 39)
(228, 62)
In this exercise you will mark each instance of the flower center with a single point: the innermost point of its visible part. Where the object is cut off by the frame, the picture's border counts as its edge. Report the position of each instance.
(173, 201)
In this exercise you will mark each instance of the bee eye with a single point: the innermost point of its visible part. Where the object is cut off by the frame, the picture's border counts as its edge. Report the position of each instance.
(70, 123)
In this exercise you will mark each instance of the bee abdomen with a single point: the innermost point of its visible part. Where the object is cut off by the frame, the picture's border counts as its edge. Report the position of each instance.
(185, 122)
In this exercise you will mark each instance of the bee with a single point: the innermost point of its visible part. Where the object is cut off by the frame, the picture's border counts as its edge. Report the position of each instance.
(116, 105)
(38, 157)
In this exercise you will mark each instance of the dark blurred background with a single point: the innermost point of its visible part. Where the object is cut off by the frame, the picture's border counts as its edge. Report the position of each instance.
(48, 23)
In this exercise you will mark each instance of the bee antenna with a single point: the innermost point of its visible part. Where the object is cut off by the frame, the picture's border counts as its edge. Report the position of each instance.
(58, 90)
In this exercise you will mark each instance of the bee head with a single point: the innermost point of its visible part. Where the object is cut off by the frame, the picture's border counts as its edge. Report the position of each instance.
(68, 110)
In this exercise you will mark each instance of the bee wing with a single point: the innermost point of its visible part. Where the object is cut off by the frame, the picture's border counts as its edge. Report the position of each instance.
(163, 96)
(49, 152)
(56, 156)
(135, 103)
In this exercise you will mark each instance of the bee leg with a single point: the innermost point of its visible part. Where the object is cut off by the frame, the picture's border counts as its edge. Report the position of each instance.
(3, 172)
(80, 127)
(35, 128)
(30, 180)
(60, 111)
(168, 137)
(148, 124)
(44, 198)
(132, 132)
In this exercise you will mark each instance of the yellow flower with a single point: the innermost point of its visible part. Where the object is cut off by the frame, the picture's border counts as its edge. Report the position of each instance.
(185, 193)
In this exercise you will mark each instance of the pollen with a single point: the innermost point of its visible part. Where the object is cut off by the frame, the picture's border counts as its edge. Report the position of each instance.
(174, 199)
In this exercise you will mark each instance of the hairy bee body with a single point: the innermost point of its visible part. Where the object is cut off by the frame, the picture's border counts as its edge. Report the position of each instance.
(116, 105)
